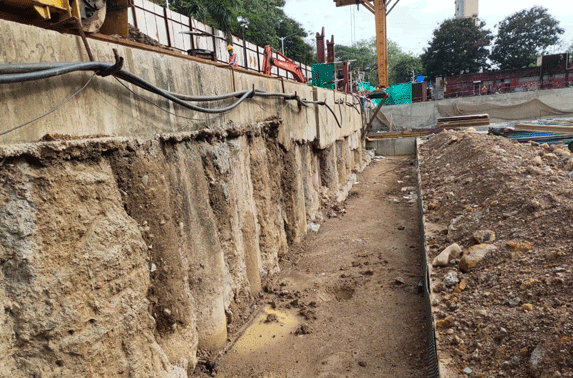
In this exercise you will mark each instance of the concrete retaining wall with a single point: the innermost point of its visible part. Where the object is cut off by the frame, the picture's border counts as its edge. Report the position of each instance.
(106, 108)
(393, 146)
(425, 114)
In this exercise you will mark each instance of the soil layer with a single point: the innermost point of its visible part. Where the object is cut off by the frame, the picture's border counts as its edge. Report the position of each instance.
(503, 304)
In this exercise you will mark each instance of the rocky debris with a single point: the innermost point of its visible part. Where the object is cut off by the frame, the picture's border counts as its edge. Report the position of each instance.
(451, 279)
(484, 236)
(518, 246)
(474, 256)
(314, 227)
(535, 360)
(453, 251)
(447, 322)
(303, 330)
(509, 314)
(272, 318)
(527, 307)
(137, 35)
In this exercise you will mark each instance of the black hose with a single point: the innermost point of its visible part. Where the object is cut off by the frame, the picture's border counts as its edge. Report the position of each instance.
(28, 67)
(47, 71)
(152, 88)
(53, 69)
(323, 103)
(17, 73)
(40, 74)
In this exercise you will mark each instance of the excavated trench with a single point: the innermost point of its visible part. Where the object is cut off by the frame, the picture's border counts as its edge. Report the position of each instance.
(348, 301)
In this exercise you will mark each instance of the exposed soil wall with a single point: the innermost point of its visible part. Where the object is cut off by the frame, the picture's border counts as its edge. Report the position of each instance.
(123, 257)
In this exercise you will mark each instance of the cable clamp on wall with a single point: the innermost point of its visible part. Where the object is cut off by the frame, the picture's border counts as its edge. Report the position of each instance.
(112, 70)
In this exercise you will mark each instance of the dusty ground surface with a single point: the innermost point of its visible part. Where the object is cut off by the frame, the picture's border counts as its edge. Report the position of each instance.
(508, 314)
(347, 303)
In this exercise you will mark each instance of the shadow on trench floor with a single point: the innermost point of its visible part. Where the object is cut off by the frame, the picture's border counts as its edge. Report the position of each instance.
(348, 302)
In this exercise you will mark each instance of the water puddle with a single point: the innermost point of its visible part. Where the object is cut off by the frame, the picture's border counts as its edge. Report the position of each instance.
(269, 327)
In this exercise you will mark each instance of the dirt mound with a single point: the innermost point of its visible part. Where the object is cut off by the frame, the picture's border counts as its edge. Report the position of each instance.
(503, 308)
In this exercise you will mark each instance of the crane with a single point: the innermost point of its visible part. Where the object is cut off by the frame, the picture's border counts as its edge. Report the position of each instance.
(380, 9)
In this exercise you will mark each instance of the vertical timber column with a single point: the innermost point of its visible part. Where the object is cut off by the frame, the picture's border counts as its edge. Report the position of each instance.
(381, 42)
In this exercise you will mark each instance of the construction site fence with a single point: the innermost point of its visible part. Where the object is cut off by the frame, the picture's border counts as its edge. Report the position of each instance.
(172, 30)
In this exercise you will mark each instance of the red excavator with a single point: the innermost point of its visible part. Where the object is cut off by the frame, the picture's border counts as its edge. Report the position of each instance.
(286, 64)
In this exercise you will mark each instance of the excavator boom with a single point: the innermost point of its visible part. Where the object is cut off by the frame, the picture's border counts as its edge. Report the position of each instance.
(284, 63)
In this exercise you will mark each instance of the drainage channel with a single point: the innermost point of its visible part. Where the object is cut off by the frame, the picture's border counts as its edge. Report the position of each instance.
(433, 364)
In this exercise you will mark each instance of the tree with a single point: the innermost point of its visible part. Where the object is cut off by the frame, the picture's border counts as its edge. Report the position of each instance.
(523, 36)
(220, 14)
(405, 67)
(458, 46)
(400, 64)
(364, 54)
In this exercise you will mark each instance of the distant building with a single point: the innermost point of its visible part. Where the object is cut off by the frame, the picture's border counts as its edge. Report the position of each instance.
(466, 8)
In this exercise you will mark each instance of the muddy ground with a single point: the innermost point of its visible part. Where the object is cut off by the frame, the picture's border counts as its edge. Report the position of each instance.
(504, 311)
(348, 302)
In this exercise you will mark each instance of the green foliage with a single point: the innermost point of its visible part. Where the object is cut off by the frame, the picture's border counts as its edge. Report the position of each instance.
(267, 22)
(523, 36)
(402, 70)
(218, 13)
(570, 48)
(364, 52)
(458, 46)
(400, 64)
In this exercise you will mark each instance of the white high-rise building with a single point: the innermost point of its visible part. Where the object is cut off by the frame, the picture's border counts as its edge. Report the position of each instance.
(466, 8)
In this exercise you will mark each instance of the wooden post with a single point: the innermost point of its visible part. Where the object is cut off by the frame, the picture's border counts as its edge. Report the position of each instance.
(133, 10)
(191, 28)
(169, 39)
(215, 57)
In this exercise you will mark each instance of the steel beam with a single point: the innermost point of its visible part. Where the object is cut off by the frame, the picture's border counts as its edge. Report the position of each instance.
(367, 5)
(392, 7)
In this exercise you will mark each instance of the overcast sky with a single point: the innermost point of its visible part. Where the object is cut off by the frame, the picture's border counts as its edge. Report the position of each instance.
(412, 22)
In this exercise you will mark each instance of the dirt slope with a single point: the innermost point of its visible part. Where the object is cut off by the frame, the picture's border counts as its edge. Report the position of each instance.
(508, 314)
(347, 302)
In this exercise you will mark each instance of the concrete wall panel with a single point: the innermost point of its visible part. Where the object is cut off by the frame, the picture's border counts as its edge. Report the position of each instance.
(105, 107)
(425, 114)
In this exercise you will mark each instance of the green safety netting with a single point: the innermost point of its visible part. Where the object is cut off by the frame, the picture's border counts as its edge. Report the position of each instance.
(323, 75)
(367, 87)
(399, 94)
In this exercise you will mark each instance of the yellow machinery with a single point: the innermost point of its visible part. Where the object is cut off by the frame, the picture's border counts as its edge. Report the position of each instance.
(107, 17)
